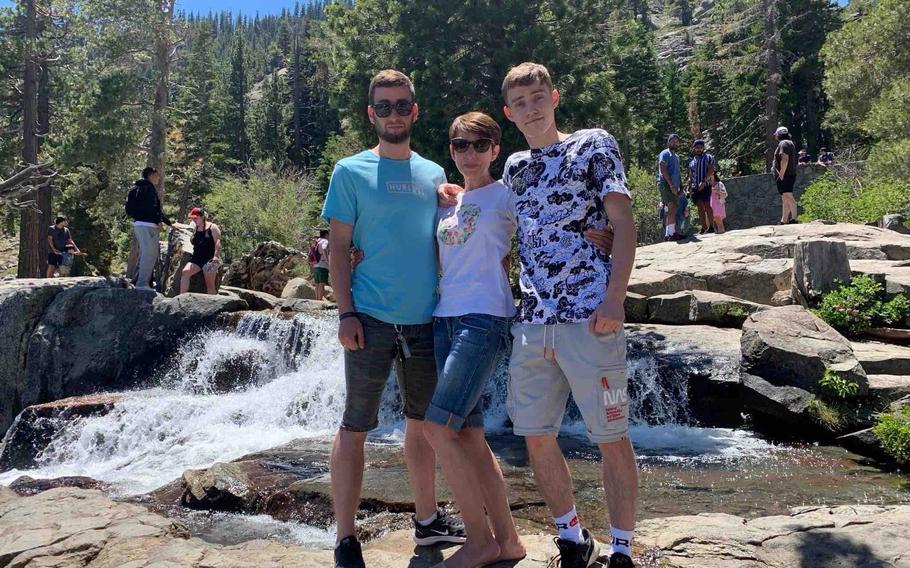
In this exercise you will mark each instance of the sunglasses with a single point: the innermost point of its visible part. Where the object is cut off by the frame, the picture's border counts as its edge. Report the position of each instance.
(461, 145)
(384, 109)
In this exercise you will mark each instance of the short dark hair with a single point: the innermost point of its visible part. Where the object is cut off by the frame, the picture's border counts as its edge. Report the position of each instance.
(390, 78)
(476, 123)
(148, 171)
(323, 233)
(60, 219)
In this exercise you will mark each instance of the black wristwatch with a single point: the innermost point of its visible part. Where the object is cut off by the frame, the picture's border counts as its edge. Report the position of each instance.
(346, 315)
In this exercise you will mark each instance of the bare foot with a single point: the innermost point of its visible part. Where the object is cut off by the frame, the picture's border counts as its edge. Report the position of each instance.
(511, 550)
(472, 555)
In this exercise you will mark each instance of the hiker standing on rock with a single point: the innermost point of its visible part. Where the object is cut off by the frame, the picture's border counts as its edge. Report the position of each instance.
(318, 259)
(783, 168)
(59, 239)
(383, 200)
(701, 176)
(144, 206)
(669, 184)
(206, 253)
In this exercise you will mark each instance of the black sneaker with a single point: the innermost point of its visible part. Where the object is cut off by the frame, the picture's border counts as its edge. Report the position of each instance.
(443, 529)
(620, 560)
(348, 554)
(572, 555)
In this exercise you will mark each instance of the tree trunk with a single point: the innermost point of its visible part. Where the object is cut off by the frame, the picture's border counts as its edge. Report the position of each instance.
(298, 144)
(772, 88)
(45, 193)
(31, 233)
(158, 138)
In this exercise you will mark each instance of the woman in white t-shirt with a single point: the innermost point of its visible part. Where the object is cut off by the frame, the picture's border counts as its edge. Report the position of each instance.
(471, 335)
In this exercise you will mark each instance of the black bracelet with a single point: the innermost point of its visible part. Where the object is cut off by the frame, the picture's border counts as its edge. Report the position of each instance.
(347, 315)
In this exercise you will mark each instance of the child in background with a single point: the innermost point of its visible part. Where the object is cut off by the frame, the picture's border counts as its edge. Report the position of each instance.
(718, 204)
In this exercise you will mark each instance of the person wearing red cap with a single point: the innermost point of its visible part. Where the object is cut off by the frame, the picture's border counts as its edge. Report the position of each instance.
(206, 252)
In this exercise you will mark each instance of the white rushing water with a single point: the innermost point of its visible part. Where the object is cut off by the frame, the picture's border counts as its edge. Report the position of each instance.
(293, 387)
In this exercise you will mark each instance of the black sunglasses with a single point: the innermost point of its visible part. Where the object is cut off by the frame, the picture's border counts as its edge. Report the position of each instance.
(384, 108)
(461, 145)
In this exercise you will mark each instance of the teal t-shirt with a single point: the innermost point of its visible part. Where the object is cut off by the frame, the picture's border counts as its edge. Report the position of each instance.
(392, 206)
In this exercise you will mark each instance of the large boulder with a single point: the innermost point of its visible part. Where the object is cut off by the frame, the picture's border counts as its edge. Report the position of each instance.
(256, 300)
(699, 306)
(791, 346)
(268, 268)
(298, 288)
(35, 427)
(786, 406)
(70, 337)
(819, 266)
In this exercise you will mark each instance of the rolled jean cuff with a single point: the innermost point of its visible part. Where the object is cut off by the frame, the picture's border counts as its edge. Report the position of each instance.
(443, 417)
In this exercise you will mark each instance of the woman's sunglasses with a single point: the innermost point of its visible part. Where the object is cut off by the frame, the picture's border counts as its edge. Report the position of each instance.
(461, 145)
(402, 107)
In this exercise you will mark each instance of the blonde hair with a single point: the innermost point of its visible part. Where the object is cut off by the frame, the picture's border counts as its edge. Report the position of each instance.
(390, 78)
(523, 75)
(476, 123)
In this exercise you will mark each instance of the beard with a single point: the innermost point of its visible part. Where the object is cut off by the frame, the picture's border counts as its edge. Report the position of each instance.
(393, 137)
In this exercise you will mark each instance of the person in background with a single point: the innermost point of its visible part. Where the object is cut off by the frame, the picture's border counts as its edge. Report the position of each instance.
(58, 238)
(319, 256)
(701, 172)
(718, 203)
(669, 185)
(206, 252)
(69, 259)
(803, 157)
(144, 206)
(825, 157)
(783, 168)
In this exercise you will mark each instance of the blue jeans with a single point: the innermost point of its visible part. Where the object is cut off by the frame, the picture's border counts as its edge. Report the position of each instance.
(467, 349)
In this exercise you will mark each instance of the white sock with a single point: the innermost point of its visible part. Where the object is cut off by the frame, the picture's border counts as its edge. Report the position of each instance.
(622, 541)
(671, 229)
(429, 520)
(569, 527)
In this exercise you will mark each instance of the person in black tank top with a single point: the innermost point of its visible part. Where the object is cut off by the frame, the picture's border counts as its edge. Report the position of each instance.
(206, 255)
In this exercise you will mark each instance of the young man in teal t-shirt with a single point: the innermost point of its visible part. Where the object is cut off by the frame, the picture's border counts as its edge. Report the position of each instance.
(383, 201)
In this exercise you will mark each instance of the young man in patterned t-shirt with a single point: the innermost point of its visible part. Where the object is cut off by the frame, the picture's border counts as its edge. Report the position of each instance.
(569, 332)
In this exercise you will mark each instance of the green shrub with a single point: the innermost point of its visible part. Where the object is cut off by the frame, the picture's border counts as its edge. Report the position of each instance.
(893, 431)
(852, 306)
(855, 307)
(831, 416)
(263, 206)
(645, 197)
(853, 200)
(836, 386)
(895, 311)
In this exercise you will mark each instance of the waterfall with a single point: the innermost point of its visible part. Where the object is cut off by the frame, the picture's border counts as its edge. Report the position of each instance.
(226, 394)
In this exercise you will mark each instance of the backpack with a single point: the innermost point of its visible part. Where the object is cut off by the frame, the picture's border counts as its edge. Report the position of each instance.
(132, 202)
(313, 256)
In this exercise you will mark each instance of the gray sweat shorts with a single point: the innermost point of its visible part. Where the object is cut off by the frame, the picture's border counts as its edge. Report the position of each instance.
(550, 361)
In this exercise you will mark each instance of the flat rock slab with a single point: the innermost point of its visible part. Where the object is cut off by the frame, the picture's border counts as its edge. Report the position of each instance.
(895, 275)
(823, 537)
(700, 306)
(882, 358)
(74, 528)
(889, 387)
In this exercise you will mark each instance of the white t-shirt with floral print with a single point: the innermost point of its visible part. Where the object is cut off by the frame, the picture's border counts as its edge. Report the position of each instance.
(473, 237)
(559, 192)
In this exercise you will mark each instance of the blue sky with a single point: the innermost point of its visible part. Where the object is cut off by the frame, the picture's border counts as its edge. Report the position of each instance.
(204, 6)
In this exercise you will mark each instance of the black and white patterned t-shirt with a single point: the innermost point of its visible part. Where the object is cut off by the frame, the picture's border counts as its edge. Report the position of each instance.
(559, 192)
